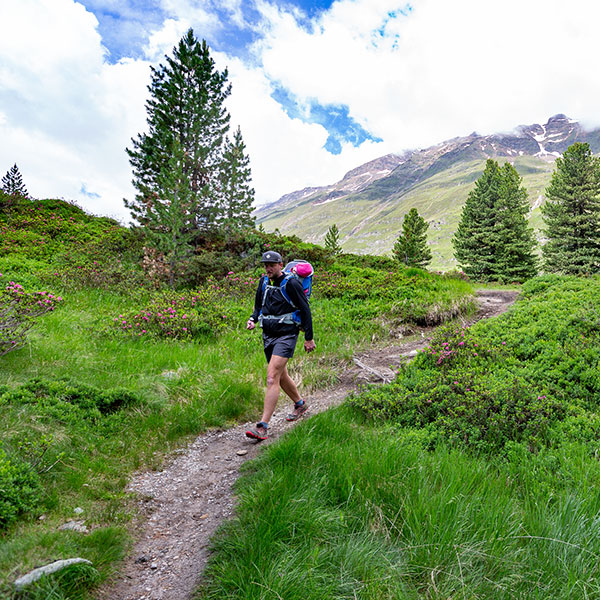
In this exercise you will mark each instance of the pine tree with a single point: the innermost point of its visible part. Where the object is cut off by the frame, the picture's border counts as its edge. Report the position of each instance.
(237, 196)
(169, 222)
(332, 240)
(572, 213)
(12, 183)
(411, 246)
(493, 241)
(187, 107)
(515, 241)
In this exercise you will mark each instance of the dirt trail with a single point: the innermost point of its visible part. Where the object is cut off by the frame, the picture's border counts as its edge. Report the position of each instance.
(182, 505)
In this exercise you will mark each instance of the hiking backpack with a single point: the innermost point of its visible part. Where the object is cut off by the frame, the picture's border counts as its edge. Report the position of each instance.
(297, 269)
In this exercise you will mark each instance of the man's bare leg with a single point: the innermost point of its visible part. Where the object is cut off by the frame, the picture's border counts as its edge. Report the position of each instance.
(275, 369)
(289, 387)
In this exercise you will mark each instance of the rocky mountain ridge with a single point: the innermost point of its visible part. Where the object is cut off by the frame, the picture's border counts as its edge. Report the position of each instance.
(373, 197)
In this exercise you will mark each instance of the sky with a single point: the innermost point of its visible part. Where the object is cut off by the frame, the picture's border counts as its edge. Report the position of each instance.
(318, 87)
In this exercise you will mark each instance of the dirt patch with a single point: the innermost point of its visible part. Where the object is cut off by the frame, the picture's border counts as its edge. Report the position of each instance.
(182, 505)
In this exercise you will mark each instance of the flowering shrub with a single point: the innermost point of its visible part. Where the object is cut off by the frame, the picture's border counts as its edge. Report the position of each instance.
(18, 310)
(451, 344)
(47, 229)
(234, 285)
(530, 376)
(178, 315)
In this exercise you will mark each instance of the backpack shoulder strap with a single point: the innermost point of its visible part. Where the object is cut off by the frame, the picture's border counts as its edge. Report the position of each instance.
(283, 289)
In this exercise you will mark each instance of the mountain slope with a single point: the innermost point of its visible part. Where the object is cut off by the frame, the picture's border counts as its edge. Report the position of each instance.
(369, 203)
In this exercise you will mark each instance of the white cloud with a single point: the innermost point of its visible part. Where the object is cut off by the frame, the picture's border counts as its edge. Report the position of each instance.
(445, 69)
(286, 154)
(68, 114)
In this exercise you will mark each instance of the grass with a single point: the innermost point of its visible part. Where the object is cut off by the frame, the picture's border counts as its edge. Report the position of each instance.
(426, 491)
(182, 388)
(382, 517)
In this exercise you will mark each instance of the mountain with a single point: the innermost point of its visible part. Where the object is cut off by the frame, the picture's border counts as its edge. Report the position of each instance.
(369, 203)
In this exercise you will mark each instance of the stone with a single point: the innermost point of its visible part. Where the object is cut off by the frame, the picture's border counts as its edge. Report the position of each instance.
(242, 452)
(47, 569)
(78, 526)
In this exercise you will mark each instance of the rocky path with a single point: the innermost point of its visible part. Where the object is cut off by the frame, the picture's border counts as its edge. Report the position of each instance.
(182, 505)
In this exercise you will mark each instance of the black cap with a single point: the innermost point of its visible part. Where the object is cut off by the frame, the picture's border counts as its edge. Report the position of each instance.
(270, 256)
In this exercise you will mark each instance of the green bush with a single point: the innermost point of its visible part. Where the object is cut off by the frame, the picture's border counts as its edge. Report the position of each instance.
(181, 314)
(368, 261)
(20, 489)
(530, 376)
(69, 402)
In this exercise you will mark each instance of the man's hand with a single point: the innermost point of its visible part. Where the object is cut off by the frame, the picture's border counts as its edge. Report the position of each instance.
(250, 324)
(309, 346)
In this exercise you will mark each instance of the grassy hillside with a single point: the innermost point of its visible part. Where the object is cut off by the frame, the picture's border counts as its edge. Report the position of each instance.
(122, 371)
(370, 224)
(474, 475)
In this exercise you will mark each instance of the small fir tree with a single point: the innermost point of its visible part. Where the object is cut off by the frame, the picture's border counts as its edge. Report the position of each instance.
(572, 213)
(411, 246)
(332, 240)
(236, 191)
(12, 183)
(493, 240)
(515, 240)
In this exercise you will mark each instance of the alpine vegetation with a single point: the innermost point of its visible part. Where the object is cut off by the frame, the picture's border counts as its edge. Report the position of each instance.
(12, 183)
(572, 214)
(411, 246)
(332, 240)
(493, 240)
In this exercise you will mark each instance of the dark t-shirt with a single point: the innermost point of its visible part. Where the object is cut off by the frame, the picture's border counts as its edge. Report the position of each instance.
(276, 304)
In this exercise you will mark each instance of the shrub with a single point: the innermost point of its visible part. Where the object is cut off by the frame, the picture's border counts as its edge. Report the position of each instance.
(18, 310)
(20, 489)
(179, 315)
(530, 376)
(67, 401)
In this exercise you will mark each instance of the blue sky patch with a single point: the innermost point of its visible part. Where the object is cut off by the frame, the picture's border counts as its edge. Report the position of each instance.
(85, 192)
(335, 118)
(125, 25)
(231, 38)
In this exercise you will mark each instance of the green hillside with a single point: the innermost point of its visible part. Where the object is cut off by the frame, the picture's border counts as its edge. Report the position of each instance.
(125, 370)
(370, 225)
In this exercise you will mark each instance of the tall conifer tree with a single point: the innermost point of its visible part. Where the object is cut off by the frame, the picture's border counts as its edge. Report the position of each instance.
(572, 213)
(169, 222)
(515, 250)
(186, 107)
(493, 240)
(411, 246)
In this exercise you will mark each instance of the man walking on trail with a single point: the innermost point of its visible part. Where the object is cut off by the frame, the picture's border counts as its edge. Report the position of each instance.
(280, 334)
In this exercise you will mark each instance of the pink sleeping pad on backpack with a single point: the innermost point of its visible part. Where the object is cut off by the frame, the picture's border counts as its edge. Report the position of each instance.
(304, 269)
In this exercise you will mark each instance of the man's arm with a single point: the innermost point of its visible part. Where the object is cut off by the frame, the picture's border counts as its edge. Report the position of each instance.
(251, 323)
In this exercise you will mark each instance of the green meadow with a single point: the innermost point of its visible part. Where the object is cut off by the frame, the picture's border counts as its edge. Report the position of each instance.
(123, 371)
(474, 475)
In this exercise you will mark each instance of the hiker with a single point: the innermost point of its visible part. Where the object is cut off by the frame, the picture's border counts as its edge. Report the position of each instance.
(280, 334)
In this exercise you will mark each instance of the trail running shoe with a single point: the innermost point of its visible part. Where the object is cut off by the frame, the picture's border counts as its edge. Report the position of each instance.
(260, 432)
(299, 409)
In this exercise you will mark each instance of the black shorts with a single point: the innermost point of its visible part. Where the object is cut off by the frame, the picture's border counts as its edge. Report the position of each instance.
(280, 346)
